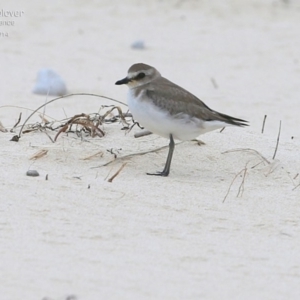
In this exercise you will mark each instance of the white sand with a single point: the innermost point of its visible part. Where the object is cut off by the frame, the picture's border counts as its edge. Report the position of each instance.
(143, 237)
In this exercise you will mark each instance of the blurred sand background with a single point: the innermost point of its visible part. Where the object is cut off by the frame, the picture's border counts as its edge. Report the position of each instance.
(143, 237)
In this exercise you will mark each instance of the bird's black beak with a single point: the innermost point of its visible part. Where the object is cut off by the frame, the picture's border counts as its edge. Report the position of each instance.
(122, 81)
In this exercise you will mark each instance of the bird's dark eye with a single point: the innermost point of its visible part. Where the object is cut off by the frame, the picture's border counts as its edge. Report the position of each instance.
(140, 76)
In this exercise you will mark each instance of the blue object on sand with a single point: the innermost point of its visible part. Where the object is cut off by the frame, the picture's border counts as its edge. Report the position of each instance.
(49, 83)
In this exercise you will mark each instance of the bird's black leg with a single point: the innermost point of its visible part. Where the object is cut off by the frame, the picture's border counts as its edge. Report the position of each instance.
(166, 169)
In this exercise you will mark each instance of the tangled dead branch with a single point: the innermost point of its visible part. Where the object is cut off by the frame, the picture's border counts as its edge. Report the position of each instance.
(17, 137)
(88, 124)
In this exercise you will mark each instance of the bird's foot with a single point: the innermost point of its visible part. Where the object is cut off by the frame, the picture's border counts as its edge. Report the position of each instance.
(163, 173)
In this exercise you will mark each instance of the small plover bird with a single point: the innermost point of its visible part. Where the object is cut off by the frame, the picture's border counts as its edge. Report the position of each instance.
(168, 110)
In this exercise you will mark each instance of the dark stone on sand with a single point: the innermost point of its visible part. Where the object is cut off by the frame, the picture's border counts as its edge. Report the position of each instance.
(32, 173)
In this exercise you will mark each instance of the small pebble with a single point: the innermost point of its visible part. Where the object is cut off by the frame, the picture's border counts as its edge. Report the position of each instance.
(49, 83)
(32, 173)
(15, 138)
(138, 44)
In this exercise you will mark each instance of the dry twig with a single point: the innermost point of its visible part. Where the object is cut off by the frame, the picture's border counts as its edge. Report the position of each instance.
(39, 154)
(100, 153)
(277, 140)
(121, 115)
(199, 142)
(233, 180)
(19, 120)
(2, 128)
(85, 121)
(249, 150)
(263, 125)
(132, 155)
(296, 187)
(241, 187)
(44, 119)
(142, 133)
(117, 173)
